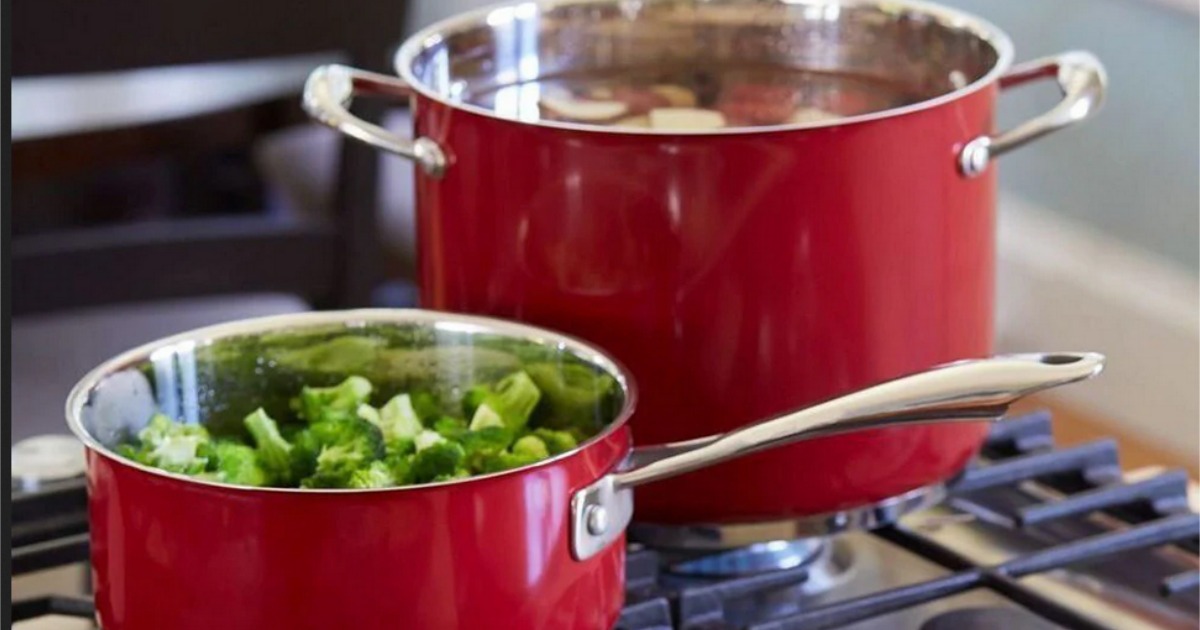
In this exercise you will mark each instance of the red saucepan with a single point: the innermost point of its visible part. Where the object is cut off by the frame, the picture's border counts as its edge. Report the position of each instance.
(742, 271)
(535, 547)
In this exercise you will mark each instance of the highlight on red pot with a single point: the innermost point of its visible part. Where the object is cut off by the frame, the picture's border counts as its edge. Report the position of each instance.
(363, 407)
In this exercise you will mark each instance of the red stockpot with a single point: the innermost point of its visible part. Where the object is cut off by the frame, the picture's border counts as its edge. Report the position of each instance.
(539, 547)
(741, 272)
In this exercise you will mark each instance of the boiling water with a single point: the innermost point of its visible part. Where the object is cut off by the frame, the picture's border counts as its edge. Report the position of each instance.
(690, 99)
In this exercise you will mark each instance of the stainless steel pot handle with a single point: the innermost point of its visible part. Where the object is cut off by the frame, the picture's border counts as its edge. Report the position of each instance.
(955, 392)
(328, 93)
(1083, 82)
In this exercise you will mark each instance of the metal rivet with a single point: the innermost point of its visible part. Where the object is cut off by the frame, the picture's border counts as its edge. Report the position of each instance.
(597, 520)
(975, 156)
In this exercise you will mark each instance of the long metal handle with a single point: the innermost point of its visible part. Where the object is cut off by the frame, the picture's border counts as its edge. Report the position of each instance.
(955, 392)
(1083, 82)
(967, 390)
(328, 93)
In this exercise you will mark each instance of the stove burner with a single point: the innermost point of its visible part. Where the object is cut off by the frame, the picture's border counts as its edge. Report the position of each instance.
(757, 558)
(995, 618)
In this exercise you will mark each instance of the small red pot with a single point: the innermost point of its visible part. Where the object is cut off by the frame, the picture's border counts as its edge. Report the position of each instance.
(738, 272)
(540, 547)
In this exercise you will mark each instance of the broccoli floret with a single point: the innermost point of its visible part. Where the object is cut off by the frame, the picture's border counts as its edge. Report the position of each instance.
(398, 419)
(485, 417)
(399, 446)
(473, 398)
(514, 398)
(461, 473)
(172, 446)
(530, 446)
(376, 475)
(238, 464)
(556, 441)
(426, 439)
(575, 396)
(426, 406)
(335, 466)
(274, 452)
(355, 438)
(399, 465)
(483, 444)
(368, 413)
(442, 458)
(525, 451)
(506, 460)
(450, 428)
(340, 402)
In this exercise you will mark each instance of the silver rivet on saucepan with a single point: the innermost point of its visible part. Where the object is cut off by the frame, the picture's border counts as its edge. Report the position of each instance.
(974, 158)
(597, 520)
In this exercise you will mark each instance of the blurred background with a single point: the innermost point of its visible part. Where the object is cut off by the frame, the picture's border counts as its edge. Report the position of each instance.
(164, 178)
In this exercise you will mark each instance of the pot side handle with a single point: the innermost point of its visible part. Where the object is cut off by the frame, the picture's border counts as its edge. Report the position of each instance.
(963, 391)
(1083, 82)
(328, 93)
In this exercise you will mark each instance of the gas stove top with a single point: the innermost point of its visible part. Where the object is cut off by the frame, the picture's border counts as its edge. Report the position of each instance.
(1030, 537)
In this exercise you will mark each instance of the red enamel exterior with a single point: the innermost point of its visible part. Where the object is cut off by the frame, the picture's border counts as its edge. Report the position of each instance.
(737, 276)
(485, 553)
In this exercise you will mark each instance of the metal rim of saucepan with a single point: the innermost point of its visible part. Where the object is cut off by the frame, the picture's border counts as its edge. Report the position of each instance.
(80, 395)
(437, 32)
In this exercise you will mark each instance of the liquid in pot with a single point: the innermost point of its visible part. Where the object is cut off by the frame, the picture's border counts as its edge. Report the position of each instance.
(691, 99)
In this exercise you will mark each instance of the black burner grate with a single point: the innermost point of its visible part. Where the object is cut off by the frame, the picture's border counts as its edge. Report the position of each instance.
(49, 529)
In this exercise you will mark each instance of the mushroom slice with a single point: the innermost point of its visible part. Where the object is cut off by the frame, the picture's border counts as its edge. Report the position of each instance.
(583, 110)
(686, 118)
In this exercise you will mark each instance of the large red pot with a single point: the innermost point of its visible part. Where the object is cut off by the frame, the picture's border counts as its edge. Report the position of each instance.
(540, 547)
(738, 272)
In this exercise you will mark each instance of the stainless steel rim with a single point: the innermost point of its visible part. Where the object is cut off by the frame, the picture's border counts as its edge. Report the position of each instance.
(721, 537)
(80, 394)
(433, 34)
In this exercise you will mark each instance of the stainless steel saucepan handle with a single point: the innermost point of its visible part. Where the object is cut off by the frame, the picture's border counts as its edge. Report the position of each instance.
(327, 96)
(1083, 82)
(962, 391)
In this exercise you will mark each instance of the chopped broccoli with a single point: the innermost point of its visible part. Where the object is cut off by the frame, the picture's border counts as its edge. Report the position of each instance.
(473, 398)
(398, 419)
(575, 396)
(173, 446)
(368, 413)
(461, 473)
(556, 441)
(426, 406)
(399, 446)
(426, 439)
(483, 444)
(450, 428)
(346, 442)
(359, 439)
(442, 458)
(530, 446)
(237, 463)
(335, 465)
(274, 452)
(376, 475)
(339, 402)
(505, 460)
(514, 397)
(485, 417)
(399, 465)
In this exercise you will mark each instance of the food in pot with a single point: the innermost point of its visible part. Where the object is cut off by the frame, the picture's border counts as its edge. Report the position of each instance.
(744, 96)
(336, 438)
